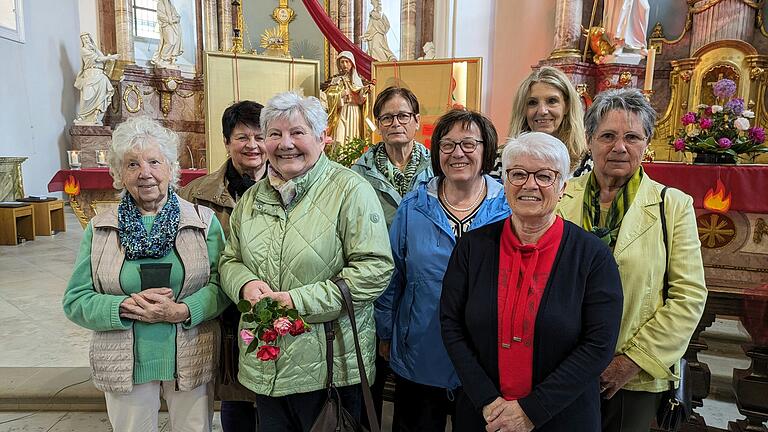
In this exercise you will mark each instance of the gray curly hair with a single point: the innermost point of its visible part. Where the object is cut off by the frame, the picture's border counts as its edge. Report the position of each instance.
(138, 133)
(283, 105)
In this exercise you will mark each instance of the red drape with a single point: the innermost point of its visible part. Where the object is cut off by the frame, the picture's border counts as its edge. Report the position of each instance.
(99, 178)
(337, 39)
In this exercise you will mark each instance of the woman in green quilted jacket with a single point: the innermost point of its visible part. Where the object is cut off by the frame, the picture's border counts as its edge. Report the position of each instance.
(309, 222)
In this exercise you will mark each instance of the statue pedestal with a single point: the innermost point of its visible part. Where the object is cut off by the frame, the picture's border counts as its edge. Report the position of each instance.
(89, 139)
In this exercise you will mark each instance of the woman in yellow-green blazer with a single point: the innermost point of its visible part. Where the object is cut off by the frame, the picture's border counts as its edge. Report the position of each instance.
(619, 203)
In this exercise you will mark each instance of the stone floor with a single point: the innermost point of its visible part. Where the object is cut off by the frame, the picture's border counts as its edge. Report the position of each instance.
(35, 335)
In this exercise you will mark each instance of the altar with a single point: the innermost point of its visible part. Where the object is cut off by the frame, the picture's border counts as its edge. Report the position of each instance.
(90, 189)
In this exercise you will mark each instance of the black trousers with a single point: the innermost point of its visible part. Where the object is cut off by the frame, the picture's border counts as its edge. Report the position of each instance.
(421, 408)
(297, 412)
(238, 416)
(629, 411)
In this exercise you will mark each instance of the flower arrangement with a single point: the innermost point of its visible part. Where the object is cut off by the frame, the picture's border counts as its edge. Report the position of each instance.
(265, 323)
(347, 154)
(720, 129)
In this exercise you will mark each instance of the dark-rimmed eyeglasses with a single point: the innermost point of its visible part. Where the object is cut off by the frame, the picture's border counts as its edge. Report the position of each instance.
(543, 177)
(388, 119)
(468, 145)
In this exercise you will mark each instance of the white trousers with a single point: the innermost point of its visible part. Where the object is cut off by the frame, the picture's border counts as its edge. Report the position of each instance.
(137, 411)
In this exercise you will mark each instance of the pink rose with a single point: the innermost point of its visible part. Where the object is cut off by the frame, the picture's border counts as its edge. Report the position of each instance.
(724, 143)
(688, 118)
(705, 123)
(282, 326)
(269, 335)
(741, 124)
(247, 336)
(679, 144)
(298, 328)
(708, 111)
(267, 352)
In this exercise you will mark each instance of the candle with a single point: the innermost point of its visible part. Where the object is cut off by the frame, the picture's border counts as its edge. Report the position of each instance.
(74, 159)
(649, 65)
(101, 157)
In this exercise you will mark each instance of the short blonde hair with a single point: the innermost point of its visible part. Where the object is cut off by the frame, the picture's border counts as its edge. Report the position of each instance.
(137, 133)
(571, 131)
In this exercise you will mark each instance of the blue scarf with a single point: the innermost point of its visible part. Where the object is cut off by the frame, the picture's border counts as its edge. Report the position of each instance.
(134, 237)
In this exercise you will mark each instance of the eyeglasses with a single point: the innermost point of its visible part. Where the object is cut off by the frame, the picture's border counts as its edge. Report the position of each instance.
(388, 119)
(468, 145)
(610, 138)
(543, 177)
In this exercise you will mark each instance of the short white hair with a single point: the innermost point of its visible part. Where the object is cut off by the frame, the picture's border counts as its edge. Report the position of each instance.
(283, 105)
(537, 145)
(136, 134)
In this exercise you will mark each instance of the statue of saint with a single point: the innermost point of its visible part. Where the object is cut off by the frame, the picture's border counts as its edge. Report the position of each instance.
(429, 51)
(626, 23)
(170, 45)
(93, 82)
(376, 34)
(347, 100)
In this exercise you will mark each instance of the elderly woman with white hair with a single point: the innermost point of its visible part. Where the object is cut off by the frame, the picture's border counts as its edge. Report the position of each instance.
(292, 234)
(146, 282)
(531, 305)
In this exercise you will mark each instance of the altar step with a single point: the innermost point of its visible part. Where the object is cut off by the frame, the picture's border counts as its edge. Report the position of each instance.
(725, 339)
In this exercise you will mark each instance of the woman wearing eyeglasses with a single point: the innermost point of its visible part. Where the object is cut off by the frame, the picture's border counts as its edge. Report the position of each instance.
(620, 203)
(398, 163)
(530, 306)
(428, 223)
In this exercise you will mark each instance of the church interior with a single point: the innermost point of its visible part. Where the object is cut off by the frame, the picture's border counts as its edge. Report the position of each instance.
(76, 69)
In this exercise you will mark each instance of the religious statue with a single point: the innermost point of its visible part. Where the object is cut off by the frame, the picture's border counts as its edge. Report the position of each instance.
(376, 34)
(429, 51)
(626, 24)
(170, 45)
(347, 100)
(93, 82)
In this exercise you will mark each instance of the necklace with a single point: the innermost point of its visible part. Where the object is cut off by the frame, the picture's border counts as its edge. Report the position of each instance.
(479, 198)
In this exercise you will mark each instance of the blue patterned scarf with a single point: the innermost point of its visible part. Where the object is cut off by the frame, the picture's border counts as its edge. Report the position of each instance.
(134, 237)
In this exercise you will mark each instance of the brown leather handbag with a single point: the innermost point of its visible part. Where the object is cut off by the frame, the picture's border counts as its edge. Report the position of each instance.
(333, 417)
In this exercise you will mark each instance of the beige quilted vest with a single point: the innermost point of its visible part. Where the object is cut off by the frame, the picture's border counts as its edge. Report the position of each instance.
(111, 352)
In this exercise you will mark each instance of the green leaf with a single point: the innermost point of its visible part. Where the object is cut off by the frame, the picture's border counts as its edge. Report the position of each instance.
(244, 306)
(253, 346)
(292, 314)
(265, 316)
(249, 317)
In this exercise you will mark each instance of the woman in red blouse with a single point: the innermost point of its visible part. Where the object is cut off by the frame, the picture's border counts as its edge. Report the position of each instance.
(530, 306)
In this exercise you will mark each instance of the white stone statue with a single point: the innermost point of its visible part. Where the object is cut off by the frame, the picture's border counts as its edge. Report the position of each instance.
(93, 82)
(429, 51)
(170, 45)
(626, 24)
(376, 34)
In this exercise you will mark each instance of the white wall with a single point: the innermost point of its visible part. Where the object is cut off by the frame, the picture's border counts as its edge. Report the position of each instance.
(37, 97)
(89, 18)
(522, 35)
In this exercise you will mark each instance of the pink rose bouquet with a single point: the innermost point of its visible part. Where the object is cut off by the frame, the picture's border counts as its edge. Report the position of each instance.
(265, 324)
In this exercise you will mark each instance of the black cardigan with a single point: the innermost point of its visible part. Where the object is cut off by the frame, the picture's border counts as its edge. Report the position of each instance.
(575, 332)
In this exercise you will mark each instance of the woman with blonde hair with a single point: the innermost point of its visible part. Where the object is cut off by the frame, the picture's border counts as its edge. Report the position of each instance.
(546, 101)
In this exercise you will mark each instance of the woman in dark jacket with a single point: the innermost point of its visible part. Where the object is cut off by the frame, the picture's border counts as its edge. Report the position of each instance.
(530, 306)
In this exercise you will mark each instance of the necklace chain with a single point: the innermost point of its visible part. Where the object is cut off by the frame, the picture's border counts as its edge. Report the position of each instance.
(471, 206)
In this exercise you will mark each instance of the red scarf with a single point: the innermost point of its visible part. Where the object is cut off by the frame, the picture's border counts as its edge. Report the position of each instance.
(523, 274)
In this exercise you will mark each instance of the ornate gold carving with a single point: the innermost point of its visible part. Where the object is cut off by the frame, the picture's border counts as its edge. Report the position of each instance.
(761, 228)
(78, 211)
(237, 38)
(686, 76)
(756, 72)
(759, 23)
(658, 31)
(131, 107)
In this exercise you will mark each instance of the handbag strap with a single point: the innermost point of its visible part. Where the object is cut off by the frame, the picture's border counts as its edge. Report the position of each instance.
(665, 287)
(367, 397)
(330, 335)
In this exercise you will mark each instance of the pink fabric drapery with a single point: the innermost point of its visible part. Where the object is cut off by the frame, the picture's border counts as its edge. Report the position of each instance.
(337, 39)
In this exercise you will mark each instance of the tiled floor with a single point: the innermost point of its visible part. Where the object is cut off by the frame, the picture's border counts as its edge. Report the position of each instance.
(35, 333)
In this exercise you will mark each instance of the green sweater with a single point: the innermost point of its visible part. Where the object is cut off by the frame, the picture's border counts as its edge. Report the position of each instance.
(155, 347)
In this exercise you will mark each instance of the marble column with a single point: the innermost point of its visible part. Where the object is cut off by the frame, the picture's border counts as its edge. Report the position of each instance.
(567, 29)
(225, 25)
(727, 19)
(408, 30)
(124, 31)
(210, 25)
(345, 19)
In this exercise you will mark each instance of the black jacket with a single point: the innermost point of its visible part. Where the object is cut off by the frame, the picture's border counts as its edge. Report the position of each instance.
(575, 332)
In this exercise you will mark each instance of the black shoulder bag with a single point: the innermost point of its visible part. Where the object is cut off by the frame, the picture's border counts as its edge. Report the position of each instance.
(675, 408)
(333, 417)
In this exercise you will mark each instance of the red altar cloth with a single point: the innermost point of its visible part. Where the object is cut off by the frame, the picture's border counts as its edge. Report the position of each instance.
(99, 178)
(747, 184)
